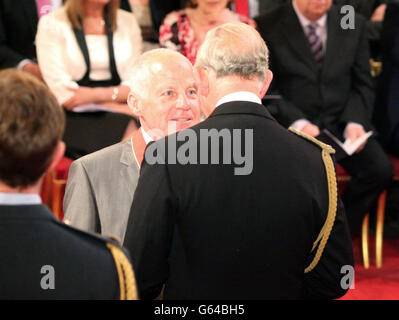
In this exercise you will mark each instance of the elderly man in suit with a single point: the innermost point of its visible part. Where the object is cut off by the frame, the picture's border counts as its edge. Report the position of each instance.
(101, 185)
(209, 230)
(322, 75)
(42, 258)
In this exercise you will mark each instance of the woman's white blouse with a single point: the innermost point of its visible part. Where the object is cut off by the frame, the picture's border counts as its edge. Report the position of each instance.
(62, 63)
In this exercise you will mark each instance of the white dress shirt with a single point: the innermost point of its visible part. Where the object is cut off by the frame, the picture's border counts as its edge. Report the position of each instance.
(321, 25)
(61, 60)
(239, 96)
(146, 136)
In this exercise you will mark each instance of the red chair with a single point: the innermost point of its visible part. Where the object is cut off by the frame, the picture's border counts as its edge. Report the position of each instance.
(53, 187)
(343, 177)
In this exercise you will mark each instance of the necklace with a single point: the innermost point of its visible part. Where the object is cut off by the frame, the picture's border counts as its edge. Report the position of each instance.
(94, 25)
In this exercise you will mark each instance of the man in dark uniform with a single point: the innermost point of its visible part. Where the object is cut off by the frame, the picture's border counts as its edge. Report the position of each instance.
(213, 230)
(42, 258)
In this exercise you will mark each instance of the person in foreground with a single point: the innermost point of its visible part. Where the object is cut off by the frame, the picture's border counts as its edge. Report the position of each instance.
(42, 258)
(101, 185)
(241, 229)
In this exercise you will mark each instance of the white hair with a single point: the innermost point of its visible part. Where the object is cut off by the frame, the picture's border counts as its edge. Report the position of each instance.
(234, 49)
(141, 72)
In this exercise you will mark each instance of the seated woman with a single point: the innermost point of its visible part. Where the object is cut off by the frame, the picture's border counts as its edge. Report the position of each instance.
(85, 50)
(185, 30)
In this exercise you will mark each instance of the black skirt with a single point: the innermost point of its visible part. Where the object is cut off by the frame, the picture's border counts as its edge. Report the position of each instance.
(88, 132)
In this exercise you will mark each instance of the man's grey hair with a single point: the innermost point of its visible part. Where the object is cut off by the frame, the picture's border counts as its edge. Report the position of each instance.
(234, 49)
(140, 72)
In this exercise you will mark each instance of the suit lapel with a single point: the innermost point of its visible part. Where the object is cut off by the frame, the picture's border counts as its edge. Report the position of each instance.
(296, 38)
(129, 170)
(334, 40)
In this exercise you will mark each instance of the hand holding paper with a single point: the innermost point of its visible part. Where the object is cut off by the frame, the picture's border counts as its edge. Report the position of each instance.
(347, 148)
(352, 146)
(352, 133)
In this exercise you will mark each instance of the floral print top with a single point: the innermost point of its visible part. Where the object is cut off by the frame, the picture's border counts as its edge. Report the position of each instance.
(176, 33)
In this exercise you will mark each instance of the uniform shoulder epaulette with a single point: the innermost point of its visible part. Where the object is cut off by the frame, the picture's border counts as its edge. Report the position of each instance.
(316, 142)
(326, 151)
(127, 281)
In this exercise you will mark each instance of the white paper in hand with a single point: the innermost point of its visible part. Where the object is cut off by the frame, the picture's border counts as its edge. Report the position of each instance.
(351, 146)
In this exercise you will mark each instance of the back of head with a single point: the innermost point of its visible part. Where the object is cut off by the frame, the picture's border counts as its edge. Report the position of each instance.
(31, 125)
(234, 49)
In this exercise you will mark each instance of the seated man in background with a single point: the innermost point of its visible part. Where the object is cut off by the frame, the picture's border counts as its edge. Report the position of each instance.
(209, 230)
(101, 185)
(325, 83)
(42, 258)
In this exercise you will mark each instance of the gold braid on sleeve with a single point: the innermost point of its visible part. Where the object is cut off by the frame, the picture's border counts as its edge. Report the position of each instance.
(333, 198)
(127, 281)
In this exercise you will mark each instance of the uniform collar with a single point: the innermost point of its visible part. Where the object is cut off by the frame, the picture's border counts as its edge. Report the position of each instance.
(239, 96)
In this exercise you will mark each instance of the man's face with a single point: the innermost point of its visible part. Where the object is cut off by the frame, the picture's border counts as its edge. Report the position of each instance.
(313, 9)
(171, 103)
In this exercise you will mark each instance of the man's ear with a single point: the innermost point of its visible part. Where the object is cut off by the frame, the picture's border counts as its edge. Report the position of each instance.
(58, 154)
(266, 84)
(134, 105)
(203, 81)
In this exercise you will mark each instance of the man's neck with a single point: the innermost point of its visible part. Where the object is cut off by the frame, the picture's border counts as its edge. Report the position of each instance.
(306, 18)
(228, 85)
(35, 189)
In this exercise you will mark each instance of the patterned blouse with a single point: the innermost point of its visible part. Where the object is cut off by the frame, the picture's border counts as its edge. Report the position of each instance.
(176, 33)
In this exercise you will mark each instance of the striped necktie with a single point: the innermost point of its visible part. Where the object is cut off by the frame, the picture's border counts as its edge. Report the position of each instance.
(316, 44)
